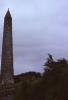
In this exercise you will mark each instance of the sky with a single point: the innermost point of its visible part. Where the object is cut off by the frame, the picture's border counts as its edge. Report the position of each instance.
(39, 27)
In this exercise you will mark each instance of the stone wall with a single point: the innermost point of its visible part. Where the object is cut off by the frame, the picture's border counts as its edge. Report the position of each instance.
(7, 92)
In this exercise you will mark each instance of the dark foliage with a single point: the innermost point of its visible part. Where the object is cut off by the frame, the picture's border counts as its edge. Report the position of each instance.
(53, 85)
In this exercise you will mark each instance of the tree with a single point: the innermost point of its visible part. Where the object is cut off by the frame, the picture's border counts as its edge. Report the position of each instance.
(52, 64)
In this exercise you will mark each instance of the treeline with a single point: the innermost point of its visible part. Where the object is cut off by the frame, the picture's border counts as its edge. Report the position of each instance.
(52, 85)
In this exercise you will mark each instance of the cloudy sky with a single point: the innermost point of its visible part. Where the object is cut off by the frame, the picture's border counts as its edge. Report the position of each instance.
(39, 27)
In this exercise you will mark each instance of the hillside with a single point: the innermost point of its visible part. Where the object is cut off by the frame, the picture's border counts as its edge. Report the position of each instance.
(53, 85)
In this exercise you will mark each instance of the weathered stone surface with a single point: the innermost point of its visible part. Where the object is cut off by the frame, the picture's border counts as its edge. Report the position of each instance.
(7, 81)
(7, 51)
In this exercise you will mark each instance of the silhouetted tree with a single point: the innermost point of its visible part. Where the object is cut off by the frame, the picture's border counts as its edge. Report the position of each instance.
(55, 79)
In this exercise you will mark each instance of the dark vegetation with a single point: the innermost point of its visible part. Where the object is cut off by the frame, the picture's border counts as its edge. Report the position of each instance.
(52, 85)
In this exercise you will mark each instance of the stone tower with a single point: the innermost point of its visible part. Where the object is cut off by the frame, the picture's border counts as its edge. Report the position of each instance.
(7, 71)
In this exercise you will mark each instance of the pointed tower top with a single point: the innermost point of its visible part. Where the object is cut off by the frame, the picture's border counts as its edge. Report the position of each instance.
(8, 13)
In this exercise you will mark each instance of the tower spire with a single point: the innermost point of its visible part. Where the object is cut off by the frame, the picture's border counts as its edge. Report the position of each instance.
(8, 14)
(7, 51)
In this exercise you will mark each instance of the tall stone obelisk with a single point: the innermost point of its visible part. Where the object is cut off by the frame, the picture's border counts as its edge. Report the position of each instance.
(7, 71)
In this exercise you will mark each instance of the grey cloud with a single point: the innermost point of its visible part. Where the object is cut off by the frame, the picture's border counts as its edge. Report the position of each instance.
(39, 27)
